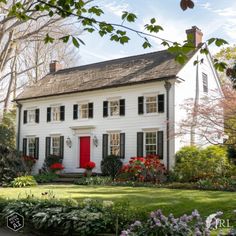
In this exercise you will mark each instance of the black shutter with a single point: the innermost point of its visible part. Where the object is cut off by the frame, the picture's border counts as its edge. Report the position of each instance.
(160, 144)
(105, 109)
(36, 152)
(62, 113)
(24, 146)
(48, 146)
(75, 111)
(36, 115)
(104, 145)
(140, 144)
(62, 147)
(90, 112)
(161, 103)
(122, 145)
(140, 105)
(122, 107)
(49, 114)
(25, 117)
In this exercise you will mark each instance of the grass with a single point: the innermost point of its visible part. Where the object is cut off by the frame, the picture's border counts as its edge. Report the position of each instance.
(145, 199)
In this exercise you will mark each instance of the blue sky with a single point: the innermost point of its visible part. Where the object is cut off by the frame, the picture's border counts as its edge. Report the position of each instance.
(216, 18)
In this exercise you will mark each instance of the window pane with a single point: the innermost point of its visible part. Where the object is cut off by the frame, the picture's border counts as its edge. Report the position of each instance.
(31, 116)
(83, 112)
(115, 144)
(55, 113)
(31, 147)
(151, 104)
(205, 82)
(56, 146)
(114, 108)
(151, 143)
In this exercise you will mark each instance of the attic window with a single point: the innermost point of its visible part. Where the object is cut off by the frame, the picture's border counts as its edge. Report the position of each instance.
(205, 82)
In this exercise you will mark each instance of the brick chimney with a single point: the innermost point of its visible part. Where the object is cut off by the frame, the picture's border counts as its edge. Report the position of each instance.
(54, 66)
(195, 35)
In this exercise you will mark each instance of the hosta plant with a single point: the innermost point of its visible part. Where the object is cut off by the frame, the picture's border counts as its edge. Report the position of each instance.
(24, 181)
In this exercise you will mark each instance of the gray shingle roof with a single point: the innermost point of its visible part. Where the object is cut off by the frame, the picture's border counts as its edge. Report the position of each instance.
(119, 72)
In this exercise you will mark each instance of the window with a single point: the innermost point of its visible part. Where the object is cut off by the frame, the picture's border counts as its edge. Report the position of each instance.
(31, 147)
(55, 113)
(115, 144)
(83, 111)
(151, 143)
(151, 104)
(56, 146)
(205, 82)
(114, 108)
(31, 116)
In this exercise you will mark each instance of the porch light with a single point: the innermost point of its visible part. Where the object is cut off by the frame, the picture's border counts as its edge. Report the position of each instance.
(95, 140)
(68, 142)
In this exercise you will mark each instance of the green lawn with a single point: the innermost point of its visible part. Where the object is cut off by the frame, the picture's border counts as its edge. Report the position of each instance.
(147, 199)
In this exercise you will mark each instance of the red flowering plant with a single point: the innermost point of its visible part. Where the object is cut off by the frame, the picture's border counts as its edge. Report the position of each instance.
(144, 169)
(29, 162)
(89, 165)
(56, 167)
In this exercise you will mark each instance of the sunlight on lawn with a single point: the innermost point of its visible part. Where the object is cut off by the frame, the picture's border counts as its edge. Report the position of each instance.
(146, 199)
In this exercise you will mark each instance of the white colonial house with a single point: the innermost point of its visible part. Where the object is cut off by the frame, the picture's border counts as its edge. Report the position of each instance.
(126, 107)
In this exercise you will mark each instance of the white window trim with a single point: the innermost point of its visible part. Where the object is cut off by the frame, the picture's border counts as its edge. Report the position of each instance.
(28, 116)
(109, 141)
(52, 107)
(79, 108)
(51, 144)
(144, 138)
(28, 138)
(145, 105)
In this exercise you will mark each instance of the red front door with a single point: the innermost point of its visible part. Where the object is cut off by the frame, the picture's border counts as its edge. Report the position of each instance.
(84, 151)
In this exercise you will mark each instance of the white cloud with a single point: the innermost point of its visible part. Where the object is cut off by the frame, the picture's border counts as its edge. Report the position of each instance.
(206, 5)
(229, 12)
(116, 8)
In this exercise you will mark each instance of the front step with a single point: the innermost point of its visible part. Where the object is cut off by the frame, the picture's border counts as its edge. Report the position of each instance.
(68, 177)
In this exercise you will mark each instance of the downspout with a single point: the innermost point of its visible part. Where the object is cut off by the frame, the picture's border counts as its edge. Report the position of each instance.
(195, 108)
(167, 87)
(19, 106)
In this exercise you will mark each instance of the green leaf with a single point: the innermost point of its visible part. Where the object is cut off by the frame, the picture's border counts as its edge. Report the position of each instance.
(153, 21)
(65, 39)
(210, 41)
(146, 44)
(219, 42)
(75, 42)
(48, 39)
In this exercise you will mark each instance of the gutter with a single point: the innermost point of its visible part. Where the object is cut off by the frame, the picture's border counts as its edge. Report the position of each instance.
(167, 87)
(19, 106)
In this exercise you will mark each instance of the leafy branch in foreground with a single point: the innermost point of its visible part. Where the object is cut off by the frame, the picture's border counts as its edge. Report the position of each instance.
(90, 18)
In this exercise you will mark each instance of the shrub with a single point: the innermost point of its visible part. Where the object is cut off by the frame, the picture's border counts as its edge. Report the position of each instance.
(49, 161)
(96, 180)
(144, 169)
(111, 166)
(29, 163)
(193, 163)
(11, 166)
(24, 181)
(45, 177)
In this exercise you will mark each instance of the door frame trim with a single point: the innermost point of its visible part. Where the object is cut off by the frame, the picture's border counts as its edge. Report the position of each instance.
(78, 148)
